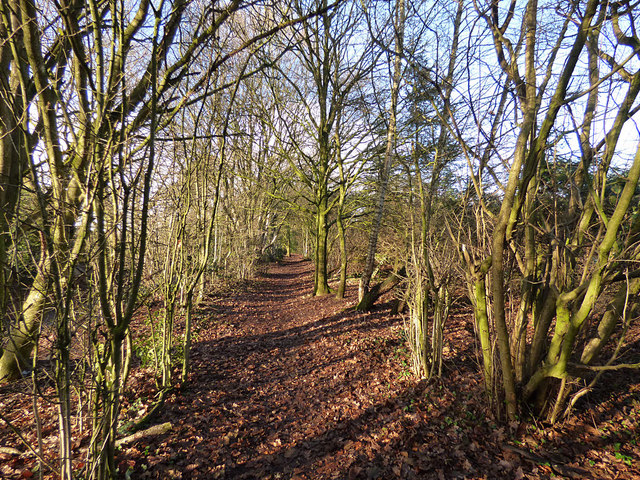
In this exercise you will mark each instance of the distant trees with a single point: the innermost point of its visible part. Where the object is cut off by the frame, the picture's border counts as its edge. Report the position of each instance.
(330, 57)
(190, 180)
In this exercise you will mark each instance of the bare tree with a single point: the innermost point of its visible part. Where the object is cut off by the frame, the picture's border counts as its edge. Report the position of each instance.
(396, 79)
(563, 282)
(99, 81)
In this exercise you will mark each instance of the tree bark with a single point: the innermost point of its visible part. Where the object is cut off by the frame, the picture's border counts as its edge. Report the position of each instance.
(380, 289)
(321, 285)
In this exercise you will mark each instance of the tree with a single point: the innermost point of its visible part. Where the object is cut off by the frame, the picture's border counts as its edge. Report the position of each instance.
(557, 292)
(99, 81)
(431, 151)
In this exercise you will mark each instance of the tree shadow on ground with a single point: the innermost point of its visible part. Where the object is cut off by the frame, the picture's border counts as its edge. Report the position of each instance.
(310, 390)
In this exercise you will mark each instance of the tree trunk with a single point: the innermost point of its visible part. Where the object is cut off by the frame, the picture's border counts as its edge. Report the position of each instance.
(13, 161)
(187, 336)
(380, 289)
(365, 280)
(343, 256)
(321, 285)
(22, 337)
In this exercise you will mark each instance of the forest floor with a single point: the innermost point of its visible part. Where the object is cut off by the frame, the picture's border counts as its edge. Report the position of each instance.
(289, 386)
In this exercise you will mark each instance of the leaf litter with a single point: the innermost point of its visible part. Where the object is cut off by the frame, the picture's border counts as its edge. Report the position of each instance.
(289, 386)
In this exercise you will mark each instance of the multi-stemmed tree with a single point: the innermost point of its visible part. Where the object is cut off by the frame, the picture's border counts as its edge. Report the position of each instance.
(567, 248)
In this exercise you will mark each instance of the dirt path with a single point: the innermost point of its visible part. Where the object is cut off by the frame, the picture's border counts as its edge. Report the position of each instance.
(281, 384)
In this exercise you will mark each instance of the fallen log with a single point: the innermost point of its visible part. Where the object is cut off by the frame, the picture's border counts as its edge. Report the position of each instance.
(148, 432)
(10, 451)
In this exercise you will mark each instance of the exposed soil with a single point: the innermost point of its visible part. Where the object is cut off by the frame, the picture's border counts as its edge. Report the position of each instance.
(289, 386)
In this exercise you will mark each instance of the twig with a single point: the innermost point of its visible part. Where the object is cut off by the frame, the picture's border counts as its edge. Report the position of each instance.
(602, 368)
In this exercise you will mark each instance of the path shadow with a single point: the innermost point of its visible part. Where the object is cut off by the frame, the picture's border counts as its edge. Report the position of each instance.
(305, 397)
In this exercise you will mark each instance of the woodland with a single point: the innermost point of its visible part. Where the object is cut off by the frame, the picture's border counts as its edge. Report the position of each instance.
(319, 239)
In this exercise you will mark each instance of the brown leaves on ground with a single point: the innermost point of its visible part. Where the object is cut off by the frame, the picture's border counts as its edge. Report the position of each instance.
(289, 386)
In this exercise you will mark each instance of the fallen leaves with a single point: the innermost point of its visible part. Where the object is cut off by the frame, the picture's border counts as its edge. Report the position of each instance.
(286, 385)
